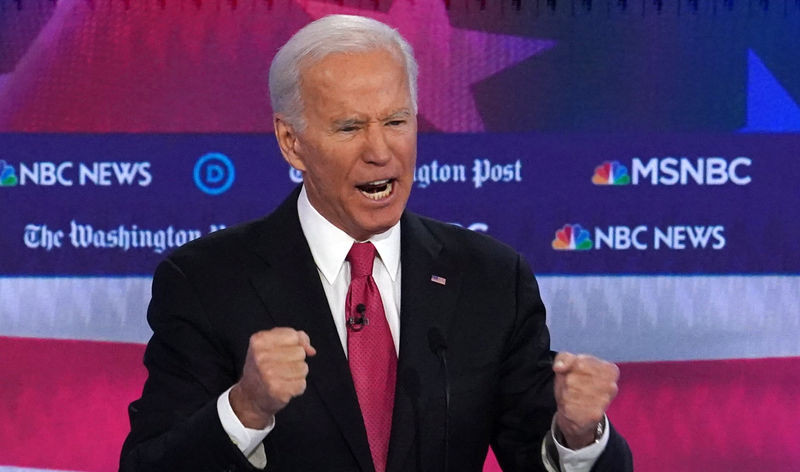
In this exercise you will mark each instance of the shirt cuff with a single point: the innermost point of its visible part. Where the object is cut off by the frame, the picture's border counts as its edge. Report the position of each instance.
(580, 460)
(248, 440)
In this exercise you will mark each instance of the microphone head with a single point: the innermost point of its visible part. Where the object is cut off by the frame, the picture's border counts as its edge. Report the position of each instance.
(361, 308)
(436, 341)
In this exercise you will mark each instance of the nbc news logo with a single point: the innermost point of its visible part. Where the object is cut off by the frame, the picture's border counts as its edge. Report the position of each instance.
(572, 238)
(7, 176)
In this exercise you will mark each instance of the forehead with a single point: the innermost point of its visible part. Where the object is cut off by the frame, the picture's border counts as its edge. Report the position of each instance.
(355, 82)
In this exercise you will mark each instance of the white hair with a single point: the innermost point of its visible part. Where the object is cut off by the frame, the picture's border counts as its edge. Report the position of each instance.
(328, 35)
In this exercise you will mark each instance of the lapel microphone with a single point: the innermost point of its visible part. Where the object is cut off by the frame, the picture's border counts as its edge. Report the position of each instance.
(438, 347)
(357, 323)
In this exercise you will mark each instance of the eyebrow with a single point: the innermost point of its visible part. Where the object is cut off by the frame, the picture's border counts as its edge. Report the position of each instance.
(398, 114)
(404, 113)
(347, 122)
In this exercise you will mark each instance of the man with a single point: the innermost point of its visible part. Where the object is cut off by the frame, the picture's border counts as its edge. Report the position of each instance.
(342, 332)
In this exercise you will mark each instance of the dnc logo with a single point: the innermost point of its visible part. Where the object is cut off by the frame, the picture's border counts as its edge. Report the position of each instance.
(572, 238)
(611, 173)
(214, 173)
(7, 176)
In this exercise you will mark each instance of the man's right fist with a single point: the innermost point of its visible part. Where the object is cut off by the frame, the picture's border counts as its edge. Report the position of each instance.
(274, 372)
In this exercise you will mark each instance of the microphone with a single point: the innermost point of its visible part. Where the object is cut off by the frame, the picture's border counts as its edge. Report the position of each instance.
(410, 381)
(438, 347)
(436, 342)
(357, 323)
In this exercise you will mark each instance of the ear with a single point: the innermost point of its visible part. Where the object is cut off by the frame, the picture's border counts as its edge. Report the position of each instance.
(288, 142)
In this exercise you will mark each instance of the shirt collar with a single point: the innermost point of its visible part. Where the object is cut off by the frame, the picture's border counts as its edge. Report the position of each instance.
(329, 245)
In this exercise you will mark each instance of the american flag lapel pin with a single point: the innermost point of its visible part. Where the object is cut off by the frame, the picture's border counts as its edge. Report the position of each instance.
(438, 280)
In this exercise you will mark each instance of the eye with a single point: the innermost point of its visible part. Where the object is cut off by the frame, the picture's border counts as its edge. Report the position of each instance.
(348, 128)
(396, 123)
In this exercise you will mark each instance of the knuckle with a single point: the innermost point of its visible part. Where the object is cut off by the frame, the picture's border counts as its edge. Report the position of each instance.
(254, 340)
(283, 334)
(584, 359)
(279, 332)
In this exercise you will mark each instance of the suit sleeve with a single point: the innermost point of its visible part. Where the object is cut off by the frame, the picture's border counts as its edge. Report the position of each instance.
(175, 425)
(526, 396)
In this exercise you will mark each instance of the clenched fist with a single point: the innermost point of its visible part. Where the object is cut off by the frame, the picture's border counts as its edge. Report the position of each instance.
(584, 388)
(274, 372)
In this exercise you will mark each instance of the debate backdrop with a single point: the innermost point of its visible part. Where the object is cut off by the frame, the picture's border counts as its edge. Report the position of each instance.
(643, 155)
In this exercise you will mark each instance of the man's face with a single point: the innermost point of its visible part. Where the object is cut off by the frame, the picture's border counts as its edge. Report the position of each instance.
(359, 147)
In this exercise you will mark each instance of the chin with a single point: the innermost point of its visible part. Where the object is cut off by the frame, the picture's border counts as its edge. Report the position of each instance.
(382, 223)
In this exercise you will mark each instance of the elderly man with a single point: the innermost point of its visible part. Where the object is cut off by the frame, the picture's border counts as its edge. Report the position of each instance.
(342, 332)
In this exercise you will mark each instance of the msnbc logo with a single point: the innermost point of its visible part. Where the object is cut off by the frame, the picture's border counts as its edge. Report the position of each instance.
(572, 238)
(675, 171)
(7, 176)
(611, 173)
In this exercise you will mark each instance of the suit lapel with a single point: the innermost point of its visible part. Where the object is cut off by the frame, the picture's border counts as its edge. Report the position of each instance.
(291, 289)
(426, 305)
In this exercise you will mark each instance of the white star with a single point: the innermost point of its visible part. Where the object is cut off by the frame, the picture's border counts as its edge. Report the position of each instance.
(450, 59)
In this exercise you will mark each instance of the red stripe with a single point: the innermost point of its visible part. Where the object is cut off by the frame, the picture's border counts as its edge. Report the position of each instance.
(64, 402)
(729, 415)
(708, 416)
(64, 407)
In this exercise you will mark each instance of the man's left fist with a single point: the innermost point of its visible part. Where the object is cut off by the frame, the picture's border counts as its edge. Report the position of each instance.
(584, 388)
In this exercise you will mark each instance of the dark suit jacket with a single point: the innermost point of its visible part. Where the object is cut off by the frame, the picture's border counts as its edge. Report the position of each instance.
(212, 294)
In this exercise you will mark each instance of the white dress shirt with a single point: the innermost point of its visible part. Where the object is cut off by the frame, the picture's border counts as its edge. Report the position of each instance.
(329, 247)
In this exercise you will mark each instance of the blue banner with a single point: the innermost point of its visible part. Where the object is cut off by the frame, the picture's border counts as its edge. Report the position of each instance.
(78, 204)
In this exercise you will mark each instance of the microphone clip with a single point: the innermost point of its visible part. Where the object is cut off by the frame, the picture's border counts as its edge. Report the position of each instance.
(357, 323)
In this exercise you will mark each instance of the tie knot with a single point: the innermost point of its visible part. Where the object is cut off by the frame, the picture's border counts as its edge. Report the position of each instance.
(361, 257)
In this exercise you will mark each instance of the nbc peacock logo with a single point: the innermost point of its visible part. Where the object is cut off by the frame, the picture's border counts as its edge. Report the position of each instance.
(611, 173)
(7, 176)
(572, 238)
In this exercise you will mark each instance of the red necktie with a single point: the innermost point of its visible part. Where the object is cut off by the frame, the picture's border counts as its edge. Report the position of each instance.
(370, 352)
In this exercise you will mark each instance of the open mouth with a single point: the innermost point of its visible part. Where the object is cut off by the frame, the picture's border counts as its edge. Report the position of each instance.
(377, 190)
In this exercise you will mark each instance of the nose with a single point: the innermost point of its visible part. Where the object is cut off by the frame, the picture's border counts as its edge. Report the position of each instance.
(376, 147)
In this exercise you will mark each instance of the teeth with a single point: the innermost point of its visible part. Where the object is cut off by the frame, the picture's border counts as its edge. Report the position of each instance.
(379, 195)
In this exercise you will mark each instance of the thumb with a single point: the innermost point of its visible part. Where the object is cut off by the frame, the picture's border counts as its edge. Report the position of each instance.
(563, 362)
